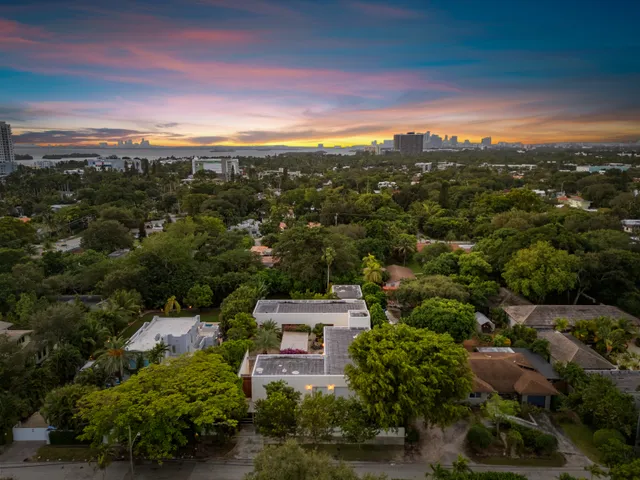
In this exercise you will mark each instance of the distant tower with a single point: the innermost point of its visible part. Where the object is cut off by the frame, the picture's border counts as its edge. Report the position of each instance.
(7, 155)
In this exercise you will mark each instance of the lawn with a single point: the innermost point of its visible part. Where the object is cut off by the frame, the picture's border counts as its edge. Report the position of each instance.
(582, 437)
(209, 316)
(360, 453)
(555, 460)
(415, 267)
(64, 454)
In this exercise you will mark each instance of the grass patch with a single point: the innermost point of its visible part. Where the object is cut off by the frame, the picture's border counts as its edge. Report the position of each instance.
(360, 453)
(415, 267)
(555, 460)
(209, 316)
(53, 453)
(582, 437)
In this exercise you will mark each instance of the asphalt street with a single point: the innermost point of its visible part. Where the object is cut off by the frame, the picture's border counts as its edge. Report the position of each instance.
(231, 471)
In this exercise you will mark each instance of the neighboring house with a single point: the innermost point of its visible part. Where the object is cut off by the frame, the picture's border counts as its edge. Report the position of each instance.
(565, 348)
(510, 375)
(92, 302)
(542, 366)
(397, 273)
(119, 253)
(631, 226)
(339, 313)
(346, 292)
(483, 324)
(180, 334)
(24, 338)
(252, 227)
(543, 316)
(575, 201)
(265, 254)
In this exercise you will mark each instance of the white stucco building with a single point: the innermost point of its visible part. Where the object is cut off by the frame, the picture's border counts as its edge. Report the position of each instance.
(180, 334)
(308, 373)
(339, 313)
(222, 167)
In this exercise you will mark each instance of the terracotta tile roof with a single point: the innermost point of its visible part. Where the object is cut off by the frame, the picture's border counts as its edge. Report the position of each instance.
(398, 272)
(261, 249)
(509, 373)
(542, 316)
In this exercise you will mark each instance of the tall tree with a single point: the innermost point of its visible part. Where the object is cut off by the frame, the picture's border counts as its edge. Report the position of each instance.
(445, 316)
(167, 405)
(316, 416)
(404, 245)
(276, 415)
(328, 256)
(400, 373)
(106, 236)
(114, 357)
(60, 406)
(540, 270)
(372, 271)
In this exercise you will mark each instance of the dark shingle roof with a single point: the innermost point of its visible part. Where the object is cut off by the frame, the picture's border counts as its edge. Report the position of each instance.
(543, 316)
(566, 348)
(336, 348)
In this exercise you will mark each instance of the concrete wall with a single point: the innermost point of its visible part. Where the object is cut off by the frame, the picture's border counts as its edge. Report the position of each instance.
(298, 382)
(358, 321)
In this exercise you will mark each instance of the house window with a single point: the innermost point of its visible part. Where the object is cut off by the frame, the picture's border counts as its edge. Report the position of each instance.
(475, 395)
(173, 349)
(324, 390)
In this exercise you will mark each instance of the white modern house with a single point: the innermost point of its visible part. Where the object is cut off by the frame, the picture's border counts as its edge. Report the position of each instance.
(180, 334)
(346, 292)
(308, 373)
(351, 313)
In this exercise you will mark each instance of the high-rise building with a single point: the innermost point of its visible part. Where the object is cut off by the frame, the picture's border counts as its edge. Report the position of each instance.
(454, 140)
(144, 143)
(223, 167)
(486, 141)
(374, 143)
(7, 156)
(435, 141)
(409, 144)
(321, 145)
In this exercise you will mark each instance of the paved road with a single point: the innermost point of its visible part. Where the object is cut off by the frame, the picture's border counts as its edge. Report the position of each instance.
(231, 471)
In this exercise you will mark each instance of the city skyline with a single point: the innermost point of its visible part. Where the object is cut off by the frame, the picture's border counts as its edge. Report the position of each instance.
(300, 73)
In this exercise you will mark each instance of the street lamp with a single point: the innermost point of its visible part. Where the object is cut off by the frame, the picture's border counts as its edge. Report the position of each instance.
(131, 442)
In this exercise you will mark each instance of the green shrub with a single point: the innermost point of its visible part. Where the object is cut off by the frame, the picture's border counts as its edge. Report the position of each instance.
(520, 344)
(479, 437)
(605, 435)
(515, 441)
(615, 452)
(65, 437)
(546, 444)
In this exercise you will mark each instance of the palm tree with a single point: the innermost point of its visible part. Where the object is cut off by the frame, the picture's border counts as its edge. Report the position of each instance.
(328, 256)
(171, 305)
(266, 340)
(405, 244)
(157, 353)
(93, 333)
(114, 357)
(627, 327)
(126, 302)
(372, 271)
(271, 326)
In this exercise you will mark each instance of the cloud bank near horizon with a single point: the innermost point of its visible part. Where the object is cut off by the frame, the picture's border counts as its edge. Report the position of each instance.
(209, 72)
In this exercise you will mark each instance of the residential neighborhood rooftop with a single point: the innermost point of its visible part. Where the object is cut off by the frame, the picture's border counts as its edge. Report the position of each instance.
(152, 332)
(543, 316)
(309, 306)
(533, 359)
(508, 373)
(336, 348)
(347, 291)
(565, 348)
(284, 365)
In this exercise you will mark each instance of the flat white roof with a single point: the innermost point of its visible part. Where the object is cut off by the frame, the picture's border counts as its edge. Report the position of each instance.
(295, 340)
(151, 333)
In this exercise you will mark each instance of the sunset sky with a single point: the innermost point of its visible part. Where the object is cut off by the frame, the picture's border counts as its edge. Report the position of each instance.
(240, 72)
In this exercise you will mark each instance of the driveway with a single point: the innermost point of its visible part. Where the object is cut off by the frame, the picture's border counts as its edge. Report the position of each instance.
(20, 451)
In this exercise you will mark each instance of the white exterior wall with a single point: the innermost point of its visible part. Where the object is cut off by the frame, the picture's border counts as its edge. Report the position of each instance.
(359, 321)
(310, 319)
(22, 434)
(298, 382)
(477, 401)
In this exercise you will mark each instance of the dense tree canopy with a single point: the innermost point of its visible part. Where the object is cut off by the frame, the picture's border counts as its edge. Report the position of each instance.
(168, 404)
(401, 373)
(444, 316)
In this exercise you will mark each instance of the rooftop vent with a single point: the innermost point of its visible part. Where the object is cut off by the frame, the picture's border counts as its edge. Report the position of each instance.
(295, 372)
(259, 370)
